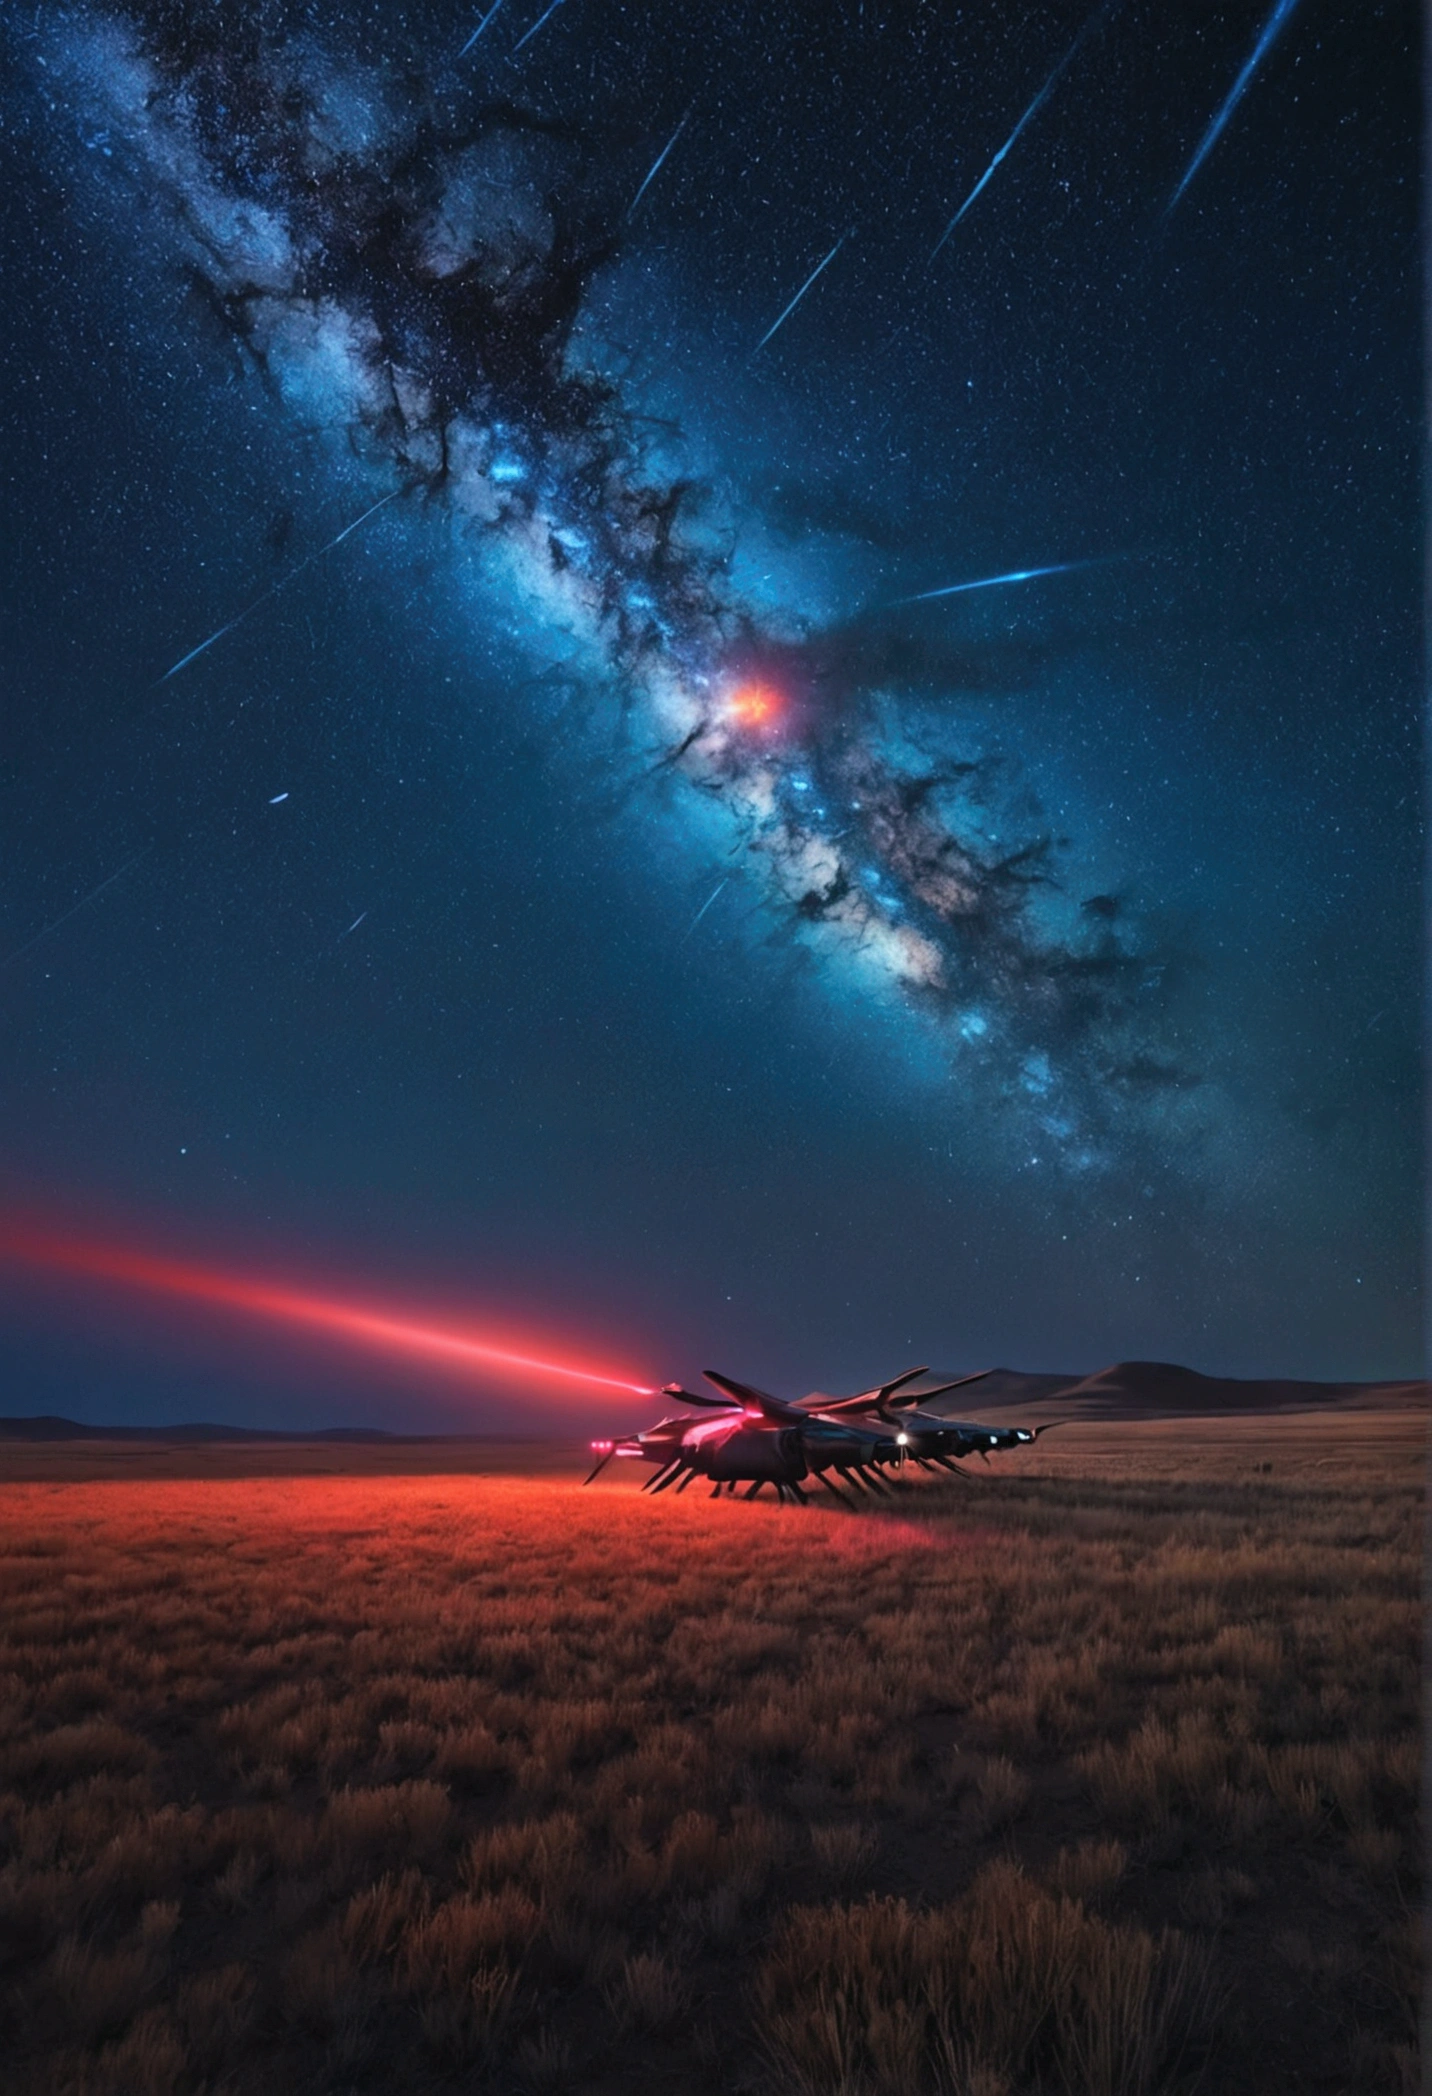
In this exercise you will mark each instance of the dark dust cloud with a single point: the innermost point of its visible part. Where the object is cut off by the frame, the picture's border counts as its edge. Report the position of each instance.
(749, 680)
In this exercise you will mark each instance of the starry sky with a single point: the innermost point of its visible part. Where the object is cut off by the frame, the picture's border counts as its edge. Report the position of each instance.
(511, 806)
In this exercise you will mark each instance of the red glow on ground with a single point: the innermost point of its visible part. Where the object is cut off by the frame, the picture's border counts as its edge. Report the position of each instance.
(357, 1324)
(755, 705)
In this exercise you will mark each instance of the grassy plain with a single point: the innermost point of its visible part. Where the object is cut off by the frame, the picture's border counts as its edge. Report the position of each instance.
(1097, 1776)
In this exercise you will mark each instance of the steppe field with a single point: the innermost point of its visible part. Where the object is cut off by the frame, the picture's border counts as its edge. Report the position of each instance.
(1096, 1775)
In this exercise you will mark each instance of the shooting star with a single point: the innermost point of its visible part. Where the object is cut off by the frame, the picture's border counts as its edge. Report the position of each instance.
(805, 287)
(355, 924)
(479, 29)
(75, 908)
(1236, 93)
(194, 653)
(281, 584)
(958, 589)
(656, 166)
(703, 909)
(540, 23)
(1029, 115)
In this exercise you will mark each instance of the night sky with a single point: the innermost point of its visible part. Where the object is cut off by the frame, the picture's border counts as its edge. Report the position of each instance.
(623, 889)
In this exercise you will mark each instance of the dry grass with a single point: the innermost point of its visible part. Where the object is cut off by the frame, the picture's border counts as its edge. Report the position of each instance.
(1089, 1783)
(1010, 1983)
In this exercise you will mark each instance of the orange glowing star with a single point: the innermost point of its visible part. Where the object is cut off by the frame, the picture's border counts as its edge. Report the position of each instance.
(754, 705)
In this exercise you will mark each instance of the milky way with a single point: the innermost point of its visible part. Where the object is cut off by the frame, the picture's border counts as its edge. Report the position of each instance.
(406, 264)
(585, 722)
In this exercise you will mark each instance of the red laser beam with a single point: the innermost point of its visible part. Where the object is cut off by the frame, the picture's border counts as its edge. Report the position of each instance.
(381, 1328)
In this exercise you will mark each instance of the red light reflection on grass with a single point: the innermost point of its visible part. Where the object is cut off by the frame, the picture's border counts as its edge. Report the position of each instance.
(457, 1346)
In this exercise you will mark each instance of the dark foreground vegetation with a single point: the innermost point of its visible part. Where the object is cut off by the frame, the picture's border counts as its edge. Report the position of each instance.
(1095, 1778)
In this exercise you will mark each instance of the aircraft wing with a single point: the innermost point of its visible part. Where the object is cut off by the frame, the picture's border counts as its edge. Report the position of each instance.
(698, 1397)
(875, 1400)
(775, 1409)
(921, 1397)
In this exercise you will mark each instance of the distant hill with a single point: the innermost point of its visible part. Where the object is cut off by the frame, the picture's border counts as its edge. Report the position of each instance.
(1150, 1388)
(1127, 1390)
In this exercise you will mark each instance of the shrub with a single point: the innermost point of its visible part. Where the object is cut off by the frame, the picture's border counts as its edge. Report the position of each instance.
(648, 1994)
(378, 1917)
(1003, 1789)
(546, 1855)
(881, 1998)
(214, 2010)
(463, 2022)
(398, 1819)
(845, 1851)
(150, 2059)
(1093, 1868)
(319, 1980)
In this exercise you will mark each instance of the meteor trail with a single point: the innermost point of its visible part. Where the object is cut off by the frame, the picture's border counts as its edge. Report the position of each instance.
(339, 1319)
(957, 589)
(281, 584)
(538, 24)
(656, 166)
(1033, 110)
(194, 653)
(479, 29)
(704, 908)
(75, 908)
(805, 287)
(1236, 93)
